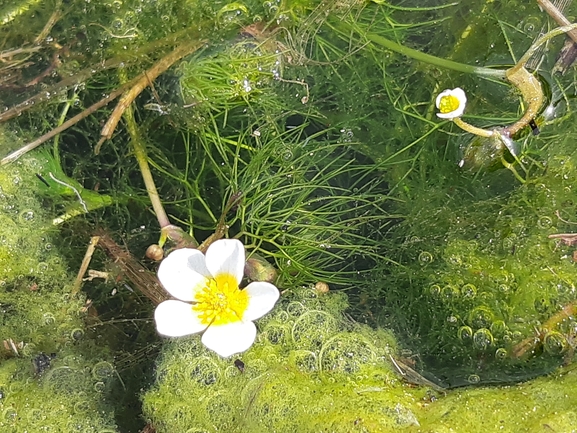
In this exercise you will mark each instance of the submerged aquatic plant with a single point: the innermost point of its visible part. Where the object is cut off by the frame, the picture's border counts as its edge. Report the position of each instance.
(47, 349)
(307, 130)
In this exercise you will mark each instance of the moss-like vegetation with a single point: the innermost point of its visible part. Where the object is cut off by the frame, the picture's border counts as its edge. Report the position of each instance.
(52, 376)
(311, 369)
(543, 404)
(307, 130)
(490, 278)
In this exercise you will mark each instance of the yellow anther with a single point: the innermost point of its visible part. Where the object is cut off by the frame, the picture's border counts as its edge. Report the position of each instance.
(221, 301)
(448, 104)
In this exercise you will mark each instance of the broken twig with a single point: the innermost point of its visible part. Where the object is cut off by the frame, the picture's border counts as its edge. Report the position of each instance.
(85, 263)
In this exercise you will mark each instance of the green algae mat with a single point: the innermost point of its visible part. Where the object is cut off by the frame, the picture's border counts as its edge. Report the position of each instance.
(287, 216)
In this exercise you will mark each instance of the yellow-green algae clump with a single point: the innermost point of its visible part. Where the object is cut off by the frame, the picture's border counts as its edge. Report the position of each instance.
(312, 370)
(545, 404)
(52, 378)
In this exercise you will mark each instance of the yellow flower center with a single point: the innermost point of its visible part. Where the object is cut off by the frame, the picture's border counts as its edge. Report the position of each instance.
(221, 301)
(448, 104)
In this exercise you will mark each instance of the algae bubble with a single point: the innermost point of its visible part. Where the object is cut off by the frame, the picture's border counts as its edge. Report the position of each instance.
(290, 376)
(307, 129)
(41, 323)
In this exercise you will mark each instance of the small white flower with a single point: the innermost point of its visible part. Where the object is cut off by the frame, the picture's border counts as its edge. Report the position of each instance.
(210, 299)
(451, 103)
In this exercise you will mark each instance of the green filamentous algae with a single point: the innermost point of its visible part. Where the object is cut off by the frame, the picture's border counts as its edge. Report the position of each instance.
(307, 130)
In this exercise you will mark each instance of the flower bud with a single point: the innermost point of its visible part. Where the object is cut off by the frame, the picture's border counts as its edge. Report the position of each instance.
(258, 269)
(155, 252)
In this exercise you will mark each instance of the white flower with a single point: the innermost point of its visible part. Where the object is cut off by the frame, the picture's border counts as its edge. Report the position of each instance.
(210, 299)
(451, 103)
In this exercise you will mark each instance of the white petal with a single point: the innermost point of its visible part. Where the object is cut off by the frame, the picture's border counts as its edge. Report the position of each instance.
(226, 256)
(226, 340)
(183, 272)
(176, 319)
(261, 299)
(461, 97)
(450, 115)
(460, 94)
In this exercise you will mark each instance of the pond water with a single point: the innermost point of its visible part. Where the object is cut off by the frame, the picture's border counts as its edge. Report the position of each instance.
(426, 263)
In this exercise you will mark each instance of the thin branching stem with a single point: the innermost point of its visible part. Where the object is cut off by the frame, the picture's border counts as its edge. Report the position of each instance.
(139, 150)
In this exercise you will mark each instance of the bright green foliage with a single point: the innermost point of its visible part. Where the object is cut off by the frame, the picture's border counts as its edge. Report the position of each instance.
(479, 275)
(310, 370)
(319, 119)
(472, 274)
(230, 78)
(306, 200)
(52, 378)
(548, 401)
(67, 398)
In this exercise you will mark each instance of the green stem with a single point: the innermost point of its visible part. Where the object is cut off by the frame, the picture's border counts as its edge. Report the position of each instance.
(61, 120)
(549, 35)
(420, 56)
(512, 169)
(141, 157)
(472, 129)
(93, 201)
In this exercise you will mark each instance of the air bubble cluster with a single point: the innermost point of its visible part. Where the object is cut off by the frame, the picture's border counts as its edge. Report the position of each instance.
(308, 365)
(46, 364)
(510, 287)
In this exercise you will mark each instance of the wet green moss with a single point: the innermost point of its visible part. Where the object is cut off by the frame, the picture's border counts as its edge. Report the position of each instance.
(464, 271)
(311, 369)
(545, 403)
(52, 378)
(480, 281)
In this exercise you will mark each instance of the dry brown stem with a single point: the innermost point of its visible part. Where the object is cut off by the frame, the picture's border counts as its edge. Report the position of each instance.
(56, 15)
(86, 73)
(141, 278)
(77, 78)
(148, 428)
(7, 55)
(72, 121)
(140, 83)
(530, 344)
(85, 262)
(567, 238)
(136, 86)
(558, 16)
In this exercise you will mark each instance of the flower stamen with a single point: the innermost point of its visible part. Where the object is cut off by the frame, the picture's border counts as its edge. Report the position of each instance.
(221, 301)
(448, 104)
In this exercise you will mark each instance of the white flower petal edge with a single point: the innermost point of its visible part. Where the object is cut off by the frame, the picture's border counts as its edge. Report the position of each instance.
(226, 340)
(458, 93)
(226, 256)
(261, 299)
(176, 319)
(183, 272)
